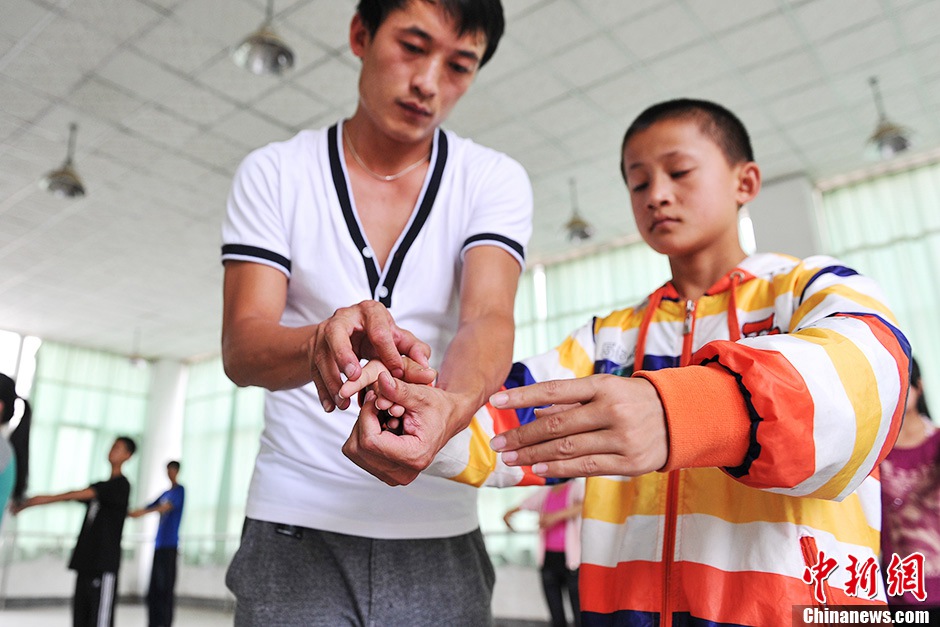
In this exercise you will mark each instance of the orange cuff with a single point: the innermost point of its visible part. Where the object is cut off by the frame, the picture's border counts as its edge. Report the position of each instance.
(706, 416)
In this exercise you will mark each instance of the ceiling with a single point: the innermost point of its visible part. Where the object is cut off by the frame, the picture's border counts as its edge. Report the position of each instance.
(165, 116)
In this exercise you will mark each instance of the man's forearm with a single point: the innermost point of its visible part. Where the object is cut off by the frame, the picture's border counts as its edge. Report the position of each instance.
(268, 355)
(476, 364)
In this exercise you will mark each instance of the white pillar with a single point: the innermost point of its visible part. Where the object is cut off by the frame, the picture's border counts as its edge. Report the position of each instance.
(162, 442)
(784, 218)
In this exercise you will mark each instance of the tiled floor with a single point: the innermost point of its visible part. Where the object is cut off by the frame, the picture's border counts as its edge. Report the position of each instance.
(135, 615)
(126, 616)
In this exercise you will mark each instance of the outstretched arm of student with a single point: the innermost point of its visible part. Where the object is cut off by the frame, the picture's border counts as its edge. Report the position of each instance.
(258, 350)
(161, 508)
(475, 365)
(597, 425)
(45, 499)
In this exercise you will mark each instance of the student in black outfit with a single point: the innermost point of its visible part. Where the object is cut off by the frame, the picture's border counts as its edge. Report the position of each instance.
(97, 553)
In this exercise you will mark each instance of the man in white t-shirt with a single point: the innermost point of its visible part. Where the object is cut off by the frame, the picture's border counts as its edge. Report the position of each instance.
(380, 237)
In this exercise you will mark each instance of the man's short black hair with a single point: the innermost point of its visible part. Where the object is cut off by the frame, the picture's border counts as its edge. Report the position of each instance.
(715, 121)
(471, 16)
(129, 443)
(175, 465)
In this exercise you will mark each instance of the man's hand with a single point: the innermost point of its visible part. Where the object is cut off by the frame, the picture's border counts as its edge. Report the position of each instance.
(362, 331)
(424, 422)
(597, 425)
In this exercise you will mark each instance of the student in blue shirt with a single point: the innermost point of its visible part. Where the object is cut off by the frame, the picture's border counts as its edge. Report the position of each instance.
(163, 575)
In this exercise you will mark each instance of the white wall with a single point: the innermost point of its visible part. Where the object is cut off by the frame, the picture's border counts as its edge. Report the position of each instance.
(784, 218)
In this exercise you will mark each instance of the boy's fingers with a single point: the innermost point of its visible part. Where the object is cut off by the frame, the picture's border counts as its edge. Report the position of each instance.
(557, 392)
(368, 376)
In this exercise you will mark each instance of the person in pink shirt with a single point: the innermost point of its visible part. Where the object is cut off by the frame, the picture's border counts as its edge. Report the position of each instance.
(559, 508)
(910, 504)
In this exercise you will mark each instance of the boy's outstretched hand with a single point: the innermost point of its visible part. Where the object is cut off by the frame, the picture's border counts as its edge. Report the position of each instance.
(597, 425)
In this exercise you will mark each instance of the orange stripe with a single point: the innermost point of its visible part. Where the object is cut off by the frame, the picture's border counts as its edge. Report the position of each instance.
(744, 598)
(888, 339)
(792, 459)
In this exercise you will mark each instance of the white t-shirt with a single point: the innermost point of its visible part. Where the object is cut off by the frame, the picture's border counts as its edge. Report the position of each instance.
(291, 208)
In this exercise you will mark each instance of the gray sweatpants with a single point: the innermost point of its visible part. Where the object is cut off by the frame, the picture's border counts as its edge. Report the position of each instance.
(285, 575)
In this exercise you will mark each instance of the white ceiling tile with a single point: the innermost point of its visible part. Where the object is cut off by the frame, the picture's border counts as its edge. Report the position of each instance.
(160, 126)
(197, 104)
(22, 101)
(823, 19)
(213, 149)
(863, 46)
(249, 129)
(623, 95)
(680, 71)
(759, 42)
(32, 67)
(720, 15)
(920, 23)
(590, 61)
(290, 105)
(659, 32)
(564, 116)
(802, 104)
(550, 27)
(225, 21)
(510, 57)
(325, 21)
(140, 75)
(784, 74)
(527, 91)
(20, 17)
(104, 100)
(176, 44)
(333, 81)
(607, 12)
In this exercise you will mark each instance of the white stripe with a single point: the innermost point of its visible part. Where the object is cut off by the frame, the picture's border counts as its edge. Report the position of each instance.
(639, 538)
(106, 599)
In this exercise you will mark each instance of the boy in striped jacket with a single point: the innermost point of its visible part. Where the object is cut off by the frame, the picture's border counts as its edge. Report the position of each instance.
(730, 425)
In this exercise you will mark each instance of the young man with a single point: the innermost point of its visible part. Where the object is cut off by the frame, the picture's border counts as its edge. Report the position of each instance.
(729, 424)
(163, 573)
(97, 555)
(353, 242)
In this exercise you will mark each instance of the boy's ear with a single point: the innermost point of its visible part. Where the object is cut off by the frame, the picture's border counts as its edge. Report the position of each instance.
(749, 180)
(358, 36)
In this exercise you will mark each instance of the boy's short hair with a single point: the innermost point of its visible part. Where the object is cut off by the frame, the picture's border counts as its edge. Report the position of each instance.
(175, 465)
(471, 16)
(715, 121)
(129, 443)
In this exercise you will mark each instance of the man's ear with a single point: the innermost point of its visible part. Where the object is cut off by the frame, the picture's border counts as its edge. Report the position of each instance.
(358, 36)
(749, 181)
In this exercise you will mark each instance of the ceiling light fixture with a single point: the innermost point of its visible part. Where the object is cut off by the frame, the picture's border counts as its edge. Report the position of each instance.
(64, 182)
(263, 52)
(577, 227)
(889, 139)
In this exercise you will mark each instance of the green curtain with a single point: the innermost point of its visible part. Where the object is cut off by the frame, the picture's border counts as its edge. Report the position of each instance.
(221, 427)
(888, 228)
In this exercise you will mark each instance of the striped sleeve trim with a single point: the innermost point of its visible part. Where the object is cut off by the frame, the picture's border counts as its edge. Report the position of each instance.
(511, 245)
(252, 253)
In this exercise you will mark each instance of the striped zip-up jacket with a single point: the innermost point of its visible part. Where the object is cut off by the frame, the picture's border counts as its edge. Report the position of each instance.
(783, 387)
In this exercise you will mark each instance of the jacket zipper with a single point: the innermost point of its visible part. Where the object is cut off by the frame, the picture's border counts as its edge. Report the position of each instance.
(672, 487)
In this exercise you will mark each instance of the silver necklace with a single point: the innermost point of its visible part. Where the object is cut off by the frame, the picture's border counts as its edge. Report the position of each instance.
(388, 178)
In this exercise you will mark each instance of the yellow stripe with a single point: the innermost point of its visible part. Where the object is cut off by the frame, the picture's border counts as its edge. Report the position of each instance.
(571, 355)
(612, 500)
(482, 458)
(861, 387)
(867, 303)
(712, 492)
